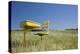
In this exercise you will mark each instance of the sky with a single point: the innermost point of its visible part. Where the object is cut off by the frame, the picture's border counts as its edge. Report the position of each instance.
(60, 16)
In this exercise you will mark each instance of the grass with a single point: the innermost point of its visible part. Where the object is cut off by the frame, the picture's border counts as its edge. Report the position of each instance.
(56, 40)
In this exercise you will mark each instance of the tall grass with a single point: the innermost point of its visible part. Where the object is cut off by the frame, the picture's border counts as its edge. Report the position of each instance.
(55, 40)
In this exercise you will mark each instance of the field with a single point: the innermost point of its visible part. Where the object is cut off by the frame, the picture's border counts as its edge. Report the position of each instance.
(55, 40)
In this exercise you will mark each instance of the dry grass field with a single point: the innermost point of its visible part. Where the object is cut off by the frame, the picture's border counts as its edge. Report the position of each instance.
(55, 40)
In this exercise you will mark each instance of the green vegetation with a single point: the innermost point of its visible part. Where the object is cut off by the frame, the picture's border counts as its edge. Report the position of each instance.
(55, 40)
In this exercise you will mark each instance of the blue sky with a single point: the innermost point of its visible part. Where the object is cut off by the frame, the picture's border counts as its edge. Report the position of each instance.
(61, 16)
